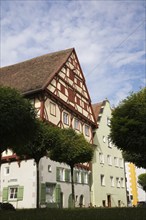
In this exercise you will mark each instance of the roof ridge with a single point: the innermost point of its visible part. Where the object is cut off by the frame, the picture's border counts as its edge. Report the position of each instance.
(37, 57)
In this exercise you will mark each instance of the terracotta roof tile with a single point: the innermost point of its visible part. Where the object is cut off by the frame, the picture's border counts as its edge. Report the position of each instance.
(33, 74)
(97, 108)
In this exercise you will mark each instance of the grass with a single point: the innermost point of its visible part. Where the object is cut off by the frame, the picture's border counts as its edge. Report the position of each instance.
(76, 214)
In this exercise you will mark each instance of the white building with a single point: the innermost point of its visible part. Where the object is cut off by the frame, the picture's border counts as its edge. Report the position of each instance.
(108, 173)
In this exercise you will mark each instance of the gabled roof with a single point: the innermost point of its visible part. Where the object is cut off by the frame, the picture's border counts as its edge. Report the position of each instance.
(33, 75)
(97, 108)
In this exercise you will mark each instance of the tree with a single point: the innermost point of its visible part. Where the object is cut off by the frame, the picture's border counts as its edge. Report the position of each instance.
(142, 181)
(128, 125)
(73, 149)
(136, 158)
(46, 137)
(17, 119)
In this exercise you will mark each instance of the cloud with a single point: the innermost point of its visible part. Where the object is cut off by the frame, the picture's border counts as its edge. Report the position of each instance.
(94, 28)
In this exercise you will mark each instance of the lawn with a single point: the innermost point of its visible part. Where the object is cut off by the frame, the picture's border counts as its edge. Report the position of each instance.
(76, 214)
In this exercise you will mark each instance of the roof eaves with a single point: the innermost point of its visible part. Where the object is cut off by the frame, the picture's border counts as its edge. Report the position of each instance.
(31, 92)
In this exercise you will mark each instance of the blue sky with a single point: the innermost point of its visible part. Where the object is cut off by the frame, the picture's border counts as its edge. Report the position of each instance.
(108, 36)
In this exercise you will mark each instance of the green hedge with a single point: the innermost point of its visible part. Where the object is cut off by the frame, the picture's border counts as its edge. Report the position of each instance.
(76, 214)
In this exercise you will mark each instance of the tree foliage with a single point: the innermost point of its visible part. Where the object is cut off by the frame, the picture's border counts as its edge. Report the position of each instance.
(73, 149)
(142, 181)
(136, 158)
(128, 124)
(46, 138)
(17, 119)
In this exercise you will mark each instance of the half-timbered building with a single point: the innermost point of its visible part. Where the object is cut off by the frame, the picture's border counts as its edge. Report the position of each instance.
(56, 86)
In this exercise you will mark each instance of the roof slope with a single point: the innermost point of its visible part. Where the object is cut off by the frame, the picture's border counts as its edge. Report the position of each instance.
(96, 109)
(33, 74)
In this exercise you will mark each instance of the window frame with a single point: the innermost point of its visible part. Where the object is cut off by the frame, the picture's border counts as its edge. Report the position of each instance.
(87, 130)
(101, 158)
(13, 195)
(102, 179)
(76, 124)
(65, 118)
(52, 108)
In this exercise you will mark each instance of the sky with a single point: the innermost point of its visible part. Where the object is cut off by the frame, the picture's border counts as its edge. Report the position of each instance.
(109, 37)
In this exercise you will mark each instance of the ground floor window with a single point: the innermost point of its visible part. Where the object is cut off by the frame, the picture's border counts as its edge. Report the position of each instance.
(13, 191)
(50, 193)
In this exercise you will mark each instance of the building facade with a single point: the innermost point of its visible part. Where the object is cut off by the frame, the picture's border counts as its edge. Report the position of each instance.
(108, 173)
(135, 193)
(56, 86)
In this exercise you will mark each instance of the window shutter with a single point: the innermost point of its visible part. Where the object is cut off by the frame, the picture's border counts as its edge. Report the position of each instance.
(43, 193)
(82, 177)
(70, 203)
(57, 194)
(20, 193)
(5, 194)
(75, 176)
(67, 175)
(57, 174)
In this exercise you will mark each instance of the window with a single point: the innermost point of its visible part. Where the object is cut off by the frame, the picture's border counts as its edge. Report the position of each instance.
(13, 192)
(65, 118)
(6, 171)
(76, 124)
(85, 178)
(52, 109)
(104, 139)
(86, 130)
(60, 174)
(109, 160)
(112, 180)
(78, 177)
(121, 164)
(109, 142)
(122, 183)
(50, 193)
(101, 158)
(49, 168)
(108, 121)
(102, 179)
(116, 161)
(118, 182)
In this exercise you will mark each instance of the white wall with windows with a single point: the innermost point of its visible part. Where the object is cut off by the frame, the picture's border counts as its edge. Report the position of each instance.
(20, 189)
(107, 166)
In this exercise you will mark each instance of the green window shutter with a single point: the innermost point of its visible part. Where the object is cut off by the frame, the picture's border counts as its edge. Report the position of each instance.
(57, 174)
(89, 178)
(43, 193)
(20, 193)
(82, 177)
(57, 194)
(70, 203)
(5, 194)
(67, 175)
(74, 176)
